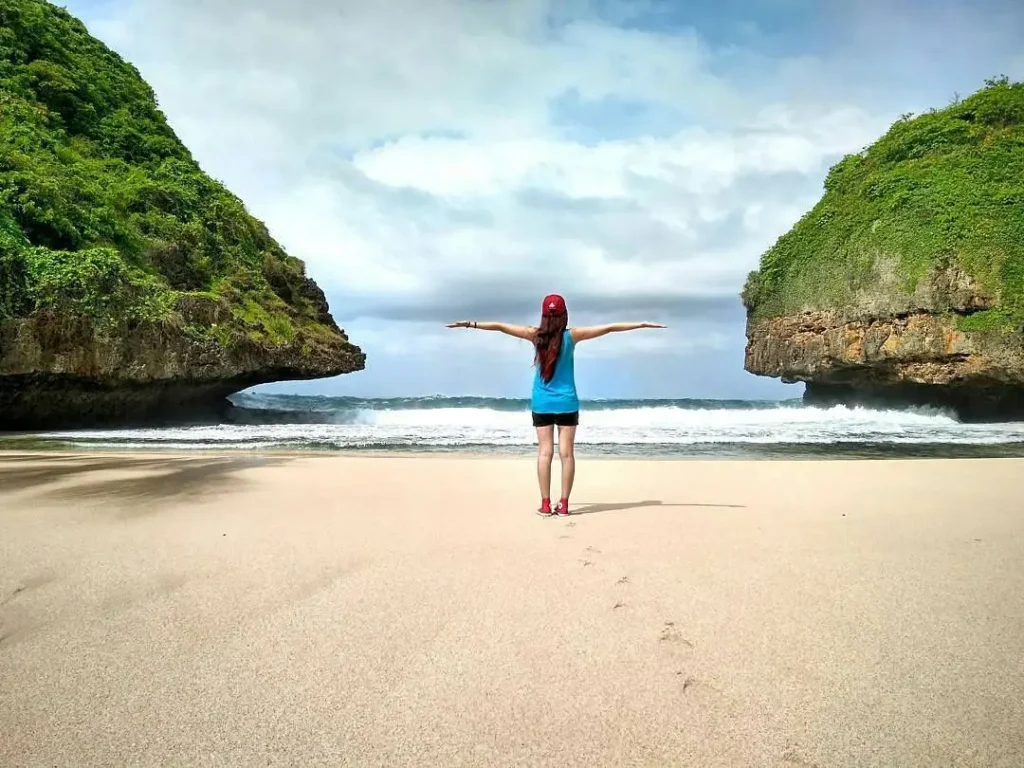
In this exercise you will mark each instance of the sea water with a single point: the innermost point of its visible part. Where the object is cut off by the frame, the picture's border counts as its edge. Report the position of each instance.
(665, 428)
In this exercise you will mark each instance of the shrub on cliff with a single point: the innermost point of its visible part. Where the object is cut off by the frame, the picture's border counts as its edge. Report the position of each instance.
(942, 189)
(103, 212)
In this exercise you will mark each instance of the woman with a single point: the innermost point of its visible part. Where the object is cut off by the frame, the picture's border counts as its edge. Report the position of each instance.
(554, 401)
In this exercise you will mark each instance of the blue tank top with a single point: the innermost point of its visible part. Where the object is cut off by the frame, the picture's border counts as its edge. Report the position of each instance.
(559, 394)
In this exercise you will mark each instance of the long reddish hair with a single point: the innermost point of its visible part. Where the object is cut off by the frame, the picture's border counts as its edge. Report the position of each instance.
(547, 342)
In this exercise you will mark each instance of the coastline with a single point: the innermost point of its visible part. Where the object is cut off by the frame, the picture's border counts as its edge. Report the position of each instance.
(334, 609)
(652, 430)
(853, 452)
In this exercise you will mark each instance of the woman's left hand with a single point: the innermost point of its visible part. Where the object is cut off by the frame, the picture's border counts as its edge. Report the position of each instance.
(459, 324)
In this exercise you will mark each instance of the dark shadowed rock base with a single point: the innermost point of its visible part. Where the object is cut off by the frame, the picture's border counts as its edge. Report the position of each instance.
(976, 404)
(58, 372)
(39, 402)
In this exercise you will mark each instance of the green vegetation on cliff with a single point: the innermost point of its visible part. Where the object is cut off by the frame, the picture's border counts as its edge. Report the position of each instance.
(943, 189)
(104, 213)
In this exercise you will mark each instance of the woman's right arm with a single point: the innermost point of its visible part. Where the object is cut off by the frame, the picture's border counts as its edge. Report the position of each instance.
(596, 331)
(519, 331)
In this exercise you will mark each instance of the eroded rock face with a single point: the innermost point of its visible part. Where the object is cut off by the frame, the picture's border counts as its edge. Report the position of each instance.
(918, 358)
(59, 371)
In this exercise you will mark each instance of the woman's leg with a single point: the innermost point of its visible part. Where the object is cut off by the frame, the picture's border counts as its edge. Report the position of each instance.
(567, 456)
(545, 452)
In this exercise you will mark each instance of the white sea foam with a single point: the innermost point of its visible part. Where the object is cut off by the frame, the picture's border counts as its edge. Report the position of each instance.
(626, 426)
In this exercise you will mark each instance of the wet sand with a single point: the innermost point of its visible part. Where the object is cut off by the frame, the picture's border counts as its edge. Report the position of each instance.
(248, 610)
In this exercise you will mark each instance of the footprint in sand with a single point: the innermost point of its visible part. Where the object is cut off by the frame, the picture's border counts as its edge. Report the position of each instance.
(793, 757)
(623, 580)
(588, 553)
(669, 634)
(688, 682)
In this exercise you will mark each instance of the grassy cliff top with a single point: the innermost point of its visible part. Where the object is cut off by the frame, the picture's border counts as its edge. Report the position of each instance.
(943, 189)
(104, 213)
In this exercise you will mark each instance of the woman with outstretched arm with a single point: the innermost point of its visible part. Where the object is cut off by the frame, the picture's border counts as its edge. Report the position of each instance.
(554, 401)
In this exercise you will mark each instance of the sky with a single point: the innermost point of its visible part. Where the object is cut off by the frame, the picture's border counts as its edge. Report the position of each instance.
(441, 160)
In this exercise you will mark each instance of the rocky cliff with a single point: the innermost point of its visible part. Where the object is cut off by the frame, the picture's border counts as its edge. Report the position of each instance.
(904, 285)
(132, 286)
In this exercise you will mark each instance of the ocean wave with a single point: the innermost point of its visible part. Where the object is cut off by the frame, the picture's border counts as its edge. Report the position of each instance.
(475, 423)
(324, 404)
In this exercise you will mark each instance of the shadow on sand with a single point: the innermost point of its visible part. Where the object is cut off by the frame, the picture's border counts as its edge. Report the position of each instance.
(157, 479)
(589, 509)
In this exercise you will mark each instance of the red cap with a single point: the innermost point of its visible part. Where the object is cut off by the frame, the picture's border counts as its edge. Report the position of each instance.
(553, 305)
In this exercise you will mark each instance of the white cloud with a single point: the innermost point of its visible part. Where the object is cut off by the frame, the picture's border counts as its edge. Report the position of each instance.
(694, 161)
(422, 155)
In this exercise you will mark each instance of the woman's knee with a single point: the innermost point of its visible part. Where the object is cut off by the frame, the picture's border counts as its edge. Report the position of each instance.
(565, 451)
(545, 452)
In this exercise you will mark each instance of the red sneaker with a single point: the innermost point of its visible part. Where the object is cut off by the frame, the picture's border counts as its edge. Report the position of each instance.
(562, 508)
(545, 508)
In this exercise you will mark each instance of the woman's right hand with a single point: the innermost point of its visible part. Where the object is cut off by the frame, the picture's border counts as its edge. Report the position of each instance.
(459, 324)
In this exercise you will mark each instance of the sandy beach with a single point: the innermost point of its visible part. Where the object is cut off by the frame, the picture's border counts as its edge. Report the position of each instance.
(274, 610)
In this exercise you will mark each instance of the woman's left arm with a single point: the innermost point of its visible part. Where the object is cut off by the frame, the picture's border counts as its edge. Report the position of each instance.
(519, 331)
(597, 331)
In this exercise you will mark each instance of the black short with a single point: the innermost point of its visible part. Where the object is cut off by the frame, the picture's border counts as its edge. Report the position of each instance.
(556, 419)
